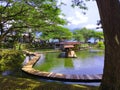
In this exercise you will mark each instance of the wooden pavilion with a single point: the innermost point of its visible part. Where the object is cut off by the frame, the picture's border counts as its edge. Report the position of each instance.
(63, 45)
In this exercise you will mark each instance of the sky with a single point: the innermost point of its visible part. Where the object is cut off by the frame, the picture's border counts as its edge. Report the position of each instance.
(77, 19)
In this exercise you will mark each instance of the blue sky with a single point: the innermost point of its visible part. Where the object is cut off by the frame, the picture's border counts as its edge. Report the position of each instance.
(77, 19)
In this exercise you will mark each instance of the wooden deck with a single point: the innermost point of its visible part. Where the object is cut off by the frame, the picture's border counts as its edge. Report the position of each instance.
(58, 76)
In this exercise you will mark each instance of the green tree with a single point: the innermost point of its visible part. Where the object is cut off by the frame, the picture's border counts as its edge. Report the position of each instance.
(86, 34)
(62, 33)
(98, 35)
(57, 32)
(77, 35)
(29, 14)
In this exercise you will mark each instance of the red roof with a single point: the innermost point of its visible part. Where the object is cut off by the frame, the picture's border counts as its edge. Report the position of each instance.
(68, 46)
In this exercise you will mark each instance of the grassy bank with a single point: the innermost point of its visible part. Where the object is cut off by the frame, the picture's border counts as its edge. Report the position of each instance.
(12, 83)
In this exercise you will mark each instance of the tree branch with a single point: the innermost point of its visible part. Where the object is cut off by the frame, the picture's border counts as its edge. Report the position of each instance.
(20, 12)
(5, 7)
(3, 35)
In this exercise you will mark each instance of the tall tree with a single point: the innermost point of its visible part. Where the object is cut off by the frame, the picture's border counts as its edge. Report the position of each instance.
(58, 32)
(84, 33)
(87, 33)
(110, 18)
(77, 35)
(62, 33)
(34, 15)
(98, 35)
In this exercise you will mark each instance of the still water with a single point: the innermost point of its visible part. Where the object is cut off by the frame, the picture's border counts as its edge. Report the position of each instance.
(87, 62)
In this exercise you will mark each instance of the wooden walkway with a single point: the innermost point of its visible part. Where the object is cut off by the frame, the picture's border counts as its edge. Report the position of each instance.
(58, 76)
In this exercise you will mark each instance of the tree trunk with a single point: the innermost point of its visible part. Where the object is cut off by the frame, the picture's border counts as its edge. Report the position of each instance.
(110, 16)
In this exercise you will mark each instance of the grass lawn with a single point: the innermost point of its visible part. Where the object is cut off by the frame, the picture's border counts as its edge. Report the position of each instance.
(13, 83)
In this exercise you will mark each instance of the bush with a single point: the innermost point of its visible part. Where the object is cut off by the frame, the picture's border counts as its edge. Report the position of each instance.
(100, 45)
(11, 59)
(76, 47)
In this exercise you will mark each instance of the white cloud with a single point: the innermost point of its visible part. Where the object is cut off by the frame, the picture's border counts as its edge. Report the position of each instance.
(70, 18)
(73, 21)
(61, 16)
(100, 29)
(77, 18)
(76, 22)
(91, 26)
(81, 17)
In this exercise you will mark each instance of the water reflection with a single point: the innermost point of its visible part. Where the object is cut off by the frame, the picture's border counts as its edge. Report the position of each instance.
(88, 62)
(68, 63)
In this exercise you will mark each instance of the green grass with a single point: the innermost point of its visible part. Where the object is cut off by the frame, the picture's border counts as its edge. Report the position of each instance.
(13, 83)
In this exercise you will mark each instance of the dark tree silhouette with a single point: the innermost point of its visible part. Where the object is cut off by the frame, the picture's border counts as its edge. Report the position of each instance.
(110, 19)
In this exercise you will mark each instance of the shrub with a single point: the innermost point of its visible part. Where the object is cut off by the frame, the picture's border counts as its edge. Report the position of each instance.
(100, 45)
(76, 47)
(11, 59)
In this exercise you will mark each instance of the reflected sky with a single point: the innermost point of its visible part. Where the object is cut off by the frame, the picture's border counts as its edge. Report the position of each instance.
(86, 63)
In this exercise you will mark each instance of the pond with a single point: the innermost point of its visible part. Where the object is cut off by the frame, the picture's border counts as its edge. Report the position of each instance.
(87, 62)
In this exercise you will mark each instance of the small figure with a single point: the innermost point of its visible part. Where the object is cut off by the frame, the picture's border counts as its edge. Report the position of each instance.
(68, 53)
